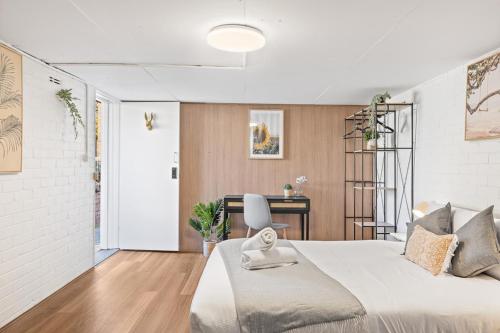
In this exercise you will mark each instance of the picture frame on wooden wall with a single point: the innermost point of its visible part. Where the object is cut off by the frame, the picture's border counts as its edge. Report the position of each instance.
(11, 110)
(482, 104)
(266, 134)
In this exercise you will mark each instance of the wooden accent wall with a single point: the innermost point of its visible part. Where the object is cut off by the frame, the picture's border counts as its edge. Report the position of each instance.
(214, 161)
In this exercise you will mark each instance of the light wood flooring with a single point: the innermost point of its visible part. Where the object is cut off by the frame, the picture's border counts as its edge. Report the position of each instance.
(129, 292)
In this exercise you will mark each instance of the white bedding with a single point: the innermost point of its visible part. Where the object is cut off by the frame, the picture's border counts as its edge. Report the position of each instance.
(398, 296)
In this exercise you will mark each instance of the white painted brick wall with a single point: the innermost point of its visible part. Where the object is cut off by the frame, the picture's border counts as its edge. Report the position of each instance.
(448, 168)
(46, 212)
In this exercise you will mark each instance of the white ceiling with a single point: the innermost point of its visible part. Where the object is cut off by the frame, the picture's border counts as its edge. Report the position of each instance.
(317, 52)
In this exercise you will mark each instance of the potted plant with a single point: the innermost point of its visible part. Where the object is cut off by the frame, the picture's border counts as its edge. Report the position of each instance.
(287, 190)
(371, 136)
(208, 222)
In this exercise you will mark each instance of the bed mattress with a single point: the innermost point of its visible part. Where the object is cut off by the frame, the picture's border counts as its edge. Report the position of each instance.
(398, 295)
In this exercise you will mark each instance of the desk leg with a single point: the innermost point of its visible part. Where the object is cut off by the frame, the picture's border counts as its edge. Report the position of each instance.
(307, 226)
(226, 216)
(302, 227)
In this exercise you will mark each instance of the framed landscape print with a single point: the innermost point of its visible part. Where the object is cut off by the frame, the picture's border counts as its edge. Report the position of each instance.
(266, 134)
(482, 105)
(11, 110)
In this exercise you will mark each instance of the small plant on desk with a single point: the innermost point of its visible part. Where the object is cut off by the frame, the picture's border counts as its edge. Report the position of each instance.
(287, 190)
(209, 224)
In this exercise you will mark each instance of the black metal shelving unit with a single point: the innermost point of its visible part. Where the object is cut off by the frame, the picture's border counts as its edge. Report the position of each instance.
(378, 187)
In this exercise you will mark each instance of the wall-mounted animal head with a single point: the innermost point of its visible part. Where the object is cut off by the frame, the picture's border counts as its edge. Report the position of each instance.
(149, 121)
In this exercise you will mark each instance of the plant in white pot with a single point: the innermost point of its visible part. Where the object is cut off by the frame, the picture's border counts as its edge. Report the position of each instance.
(371, 138)
(208, 222)
(287, 190)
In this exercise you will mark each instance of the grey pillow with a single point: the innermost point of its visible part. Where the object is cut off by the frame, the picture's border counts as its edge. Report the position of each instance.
(437, 222)
(478, 247)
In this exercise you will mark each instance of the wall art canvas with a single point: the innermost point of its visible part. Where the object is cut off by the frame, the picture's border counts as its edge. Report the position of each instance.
(11, 110)
(266, 134)
(482, 105)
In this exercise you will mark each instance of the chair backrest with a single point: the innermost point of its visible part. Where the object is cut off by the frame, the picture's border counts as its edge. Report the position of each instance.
(256, 211)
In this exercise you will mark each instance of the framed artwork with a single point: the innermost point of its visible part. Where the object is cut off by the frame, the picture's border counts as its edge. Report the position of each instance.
(11, 110)
(482, 104)
(266, 135)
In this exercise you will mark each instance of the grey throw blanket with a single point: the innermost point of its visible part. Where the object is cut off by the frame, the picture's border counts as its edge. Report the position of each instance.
(289, 298)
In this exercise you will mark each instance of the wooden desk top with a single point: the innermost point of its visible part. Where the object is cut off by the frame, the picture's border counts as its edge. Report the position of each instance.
(236, 197)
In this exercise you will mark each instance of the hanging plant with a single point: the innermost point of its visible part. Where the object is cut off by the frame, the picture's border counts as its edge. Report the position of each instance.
(67, 98)
(371, 132)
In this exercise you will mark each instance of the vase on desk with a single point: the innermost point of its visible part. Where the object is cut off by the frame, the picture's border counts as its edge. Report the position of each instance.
(300, 181)
(298, 190)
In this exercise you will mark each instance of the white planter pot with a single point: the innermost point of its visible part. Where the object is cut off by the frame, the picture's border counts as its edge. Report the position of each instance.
(287, 193)
(371, 144)
(208, 247)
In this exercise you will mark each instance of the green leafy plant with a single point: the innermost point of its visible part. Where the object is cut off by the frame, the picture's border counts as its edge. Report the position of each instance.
(66, 96)
(287, 187)
(207, 219)
(369, 134)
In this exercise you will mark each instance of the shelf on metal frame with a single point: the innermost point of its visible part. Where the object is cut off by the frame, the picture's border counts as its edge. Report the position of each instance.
(372, 188)
(361, 118)
(372, 224)
(363, 181)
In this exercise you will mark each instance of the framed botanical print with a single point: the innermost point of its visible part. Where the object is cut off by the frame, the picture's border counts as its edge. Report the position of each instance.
(11, 110)
(482, 105)
(266, 135)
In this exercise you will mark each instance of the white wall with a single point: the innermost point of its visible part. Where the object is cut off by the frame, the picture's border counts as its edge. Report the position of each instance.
(46, 211)
(448, 168)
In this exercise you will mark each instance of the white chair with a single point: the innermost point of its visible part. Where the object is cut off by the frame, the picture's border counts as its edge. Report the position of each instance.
(257, 214)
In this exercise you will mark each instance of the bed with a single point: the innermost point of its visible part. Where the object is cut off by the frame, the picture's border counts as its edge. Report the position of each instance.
(398, 295)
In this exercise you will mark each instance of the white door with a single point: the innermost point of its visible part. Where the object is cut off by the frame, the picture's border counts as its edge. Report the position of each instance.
(149, 177)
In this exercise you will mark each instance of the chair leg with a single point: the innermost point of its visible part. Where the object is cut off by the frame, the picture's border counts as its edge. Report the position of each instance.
(284, 233)
(248, 232)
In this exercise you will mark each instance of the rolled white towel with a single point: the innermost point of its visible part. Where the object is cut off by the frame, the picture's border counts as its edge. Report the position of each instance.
(264, 240)
(279, 256)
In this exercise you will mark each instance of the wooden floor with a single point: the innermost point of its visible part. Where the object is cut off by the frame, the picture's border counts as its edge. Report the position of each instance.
(129, 292)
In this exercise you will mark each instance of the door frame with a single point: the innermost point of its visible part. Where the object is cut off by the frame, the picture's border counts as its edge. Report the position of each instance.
(110, 123)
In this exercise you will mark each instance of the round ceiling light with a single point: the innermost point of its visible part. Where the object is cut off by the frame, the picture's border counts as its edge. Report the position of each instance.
(236, 38)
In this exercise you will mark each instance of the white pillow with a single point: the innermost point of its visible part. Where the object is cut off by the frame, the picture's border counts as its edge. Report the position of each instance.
(399, 236)
(460, 216)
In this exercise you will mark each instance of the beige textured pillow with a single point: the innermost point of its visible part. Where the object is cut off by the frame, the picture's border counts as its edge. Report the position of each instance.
(430, 251)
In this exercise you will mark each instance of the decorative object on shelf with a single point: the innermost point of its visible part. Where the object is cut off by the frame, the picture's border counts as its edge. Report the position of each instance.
(266, 137)
(66, 96)
(300, 183)
(209, 224)
(482, 104)
(371, 138)
(149, 121)
(287, 190)
(11, 110)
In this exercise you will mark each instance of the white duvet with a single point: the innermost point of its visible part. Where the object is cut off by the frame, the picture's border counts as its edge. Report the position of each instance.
(398, 295)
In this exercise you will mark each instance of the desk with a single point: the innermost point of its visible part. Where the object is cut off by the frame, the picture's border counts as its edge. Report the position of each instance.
(278, 204)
